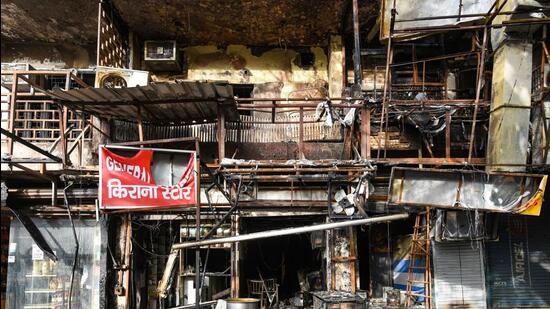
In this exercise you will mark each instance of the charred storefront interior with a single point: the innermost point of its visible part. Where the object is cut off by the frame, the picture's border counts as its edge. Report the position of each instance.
(275, 154)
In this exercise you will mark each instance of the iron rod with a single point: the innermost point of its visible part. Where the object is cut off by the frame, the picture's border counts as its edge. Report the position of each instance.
(289, 231)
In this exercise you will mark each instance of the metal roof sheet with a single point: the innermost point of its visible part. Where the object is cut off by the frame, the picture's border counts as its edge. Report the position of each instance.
(158, 102)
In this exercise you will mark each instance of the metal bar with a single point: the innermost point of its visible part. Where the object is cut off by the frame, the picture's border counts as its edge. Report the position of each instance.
(296, 99)
(357, 72)
(34, 85)
(227, 214)
(365, 133)
(197, 250)
(140, 124)
(57, 140)
(156, 141)
(289, 231)
(79, 102)
(79, 81)
(78, 139)
(163, 283)
(99, 19)
(447, 134)
(495, 13)
(93, 126)
(30, 145)
(29, 161)
(282, 105)
(221, 134)
(387, 82)
(520, 22)
(38, 72)
(301, 134)
(145, 148)
(13, 102)
(478, 91)
(33, 172)
(63, 124)
(204, 304)
(468, 15)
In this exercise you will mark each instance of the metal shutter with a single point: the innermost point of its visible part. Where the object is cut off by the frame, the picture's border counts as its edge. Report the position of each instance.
(459, 279)
(518, 268)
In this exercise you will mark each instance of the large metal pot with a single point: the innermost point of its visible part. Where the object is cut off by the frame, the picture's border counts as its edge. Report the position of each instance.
(242, 303)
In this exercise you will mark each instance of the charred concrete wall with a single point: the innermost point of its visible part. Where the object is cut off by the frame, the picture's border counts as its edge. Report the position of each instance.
(280, 70)
(49, 55)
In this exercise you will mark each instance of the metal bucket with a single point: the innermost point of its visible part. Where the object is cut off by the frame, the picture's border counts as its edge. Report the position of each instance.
(242, 303)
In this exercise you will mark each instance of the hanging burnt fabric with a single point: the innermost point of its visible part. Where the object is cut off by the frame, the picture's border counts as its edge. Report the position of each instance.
(127, 182)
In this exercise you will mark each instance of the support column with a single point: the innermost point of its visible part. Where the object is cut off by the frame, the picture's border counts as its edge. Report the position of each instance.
(510, 107)
(357, 71)
(235, 259)
(13, 103)
(124, 253)
(221, 134)
(336, 67)
(365, 132)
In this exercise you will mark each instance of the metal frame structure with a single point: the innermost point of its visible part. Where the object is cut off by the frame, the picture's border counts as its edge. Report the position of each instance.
(63, 116)
(357, 141)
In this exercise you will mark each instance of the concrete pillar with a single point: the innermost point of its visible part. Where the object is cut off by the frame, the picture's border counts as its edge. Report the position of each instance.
(336, 67)
(510, 106)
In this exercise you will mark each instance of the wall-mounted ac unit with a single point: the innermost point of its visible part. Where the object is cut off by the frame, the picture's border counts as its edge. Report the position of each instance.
(107, 77)
(161, 56)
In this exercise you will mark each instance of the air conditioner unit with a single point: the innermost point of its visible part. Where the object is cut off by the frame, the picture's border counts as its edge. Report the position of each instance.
(162, 56)
(107, 77)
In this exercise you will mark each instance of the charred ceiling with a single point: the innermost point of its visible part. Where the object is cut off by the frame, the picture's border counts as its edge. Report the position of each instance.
(49, 21)
(193, 22)
(271, 23)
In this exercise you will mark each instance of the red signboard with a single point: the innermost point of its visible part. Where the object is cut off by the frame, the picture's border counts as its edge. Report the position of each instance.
(127, 182)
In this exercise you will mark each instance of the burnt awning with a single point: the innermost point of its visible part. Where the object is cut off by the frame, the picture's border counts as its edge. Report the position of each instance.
(157, 102)
(516, 193)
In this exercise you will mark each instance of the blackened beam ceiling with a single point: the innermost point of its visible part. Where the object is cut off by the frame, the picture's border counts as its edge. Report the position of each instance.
(191, 22)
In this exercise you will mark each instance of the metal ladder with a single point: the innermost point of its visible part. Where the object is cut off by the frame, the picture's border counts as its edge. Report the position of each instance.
(420, 249)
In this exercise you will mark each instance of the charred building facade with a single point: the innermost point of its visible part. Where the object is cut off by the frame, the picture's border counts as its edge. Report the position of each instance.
(319, 154)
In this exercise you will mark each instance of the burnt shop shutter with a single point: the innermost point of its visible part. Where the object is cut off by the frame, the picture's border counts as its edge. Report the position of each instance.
(518, 265)
(459, 279)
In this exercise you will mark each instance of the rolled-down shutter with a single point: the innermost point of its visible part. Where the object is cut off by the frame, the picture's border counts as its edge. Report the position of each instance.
(459, 279)
(518, 270)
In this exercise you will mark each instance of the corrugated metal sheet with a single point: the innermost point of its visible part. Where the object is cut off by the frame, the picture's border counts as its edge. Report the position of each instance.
(159, 102)
(518, 268)
(459, 279)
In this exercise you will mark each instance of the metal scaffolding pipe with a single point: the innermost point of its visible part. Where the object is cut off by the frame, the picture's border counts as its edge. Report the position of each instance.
(357, 72)
(289, 231)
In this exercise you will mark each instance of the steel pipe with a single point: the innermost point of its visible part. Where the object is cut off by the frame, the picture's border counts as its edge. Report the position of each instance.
(289, 231)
